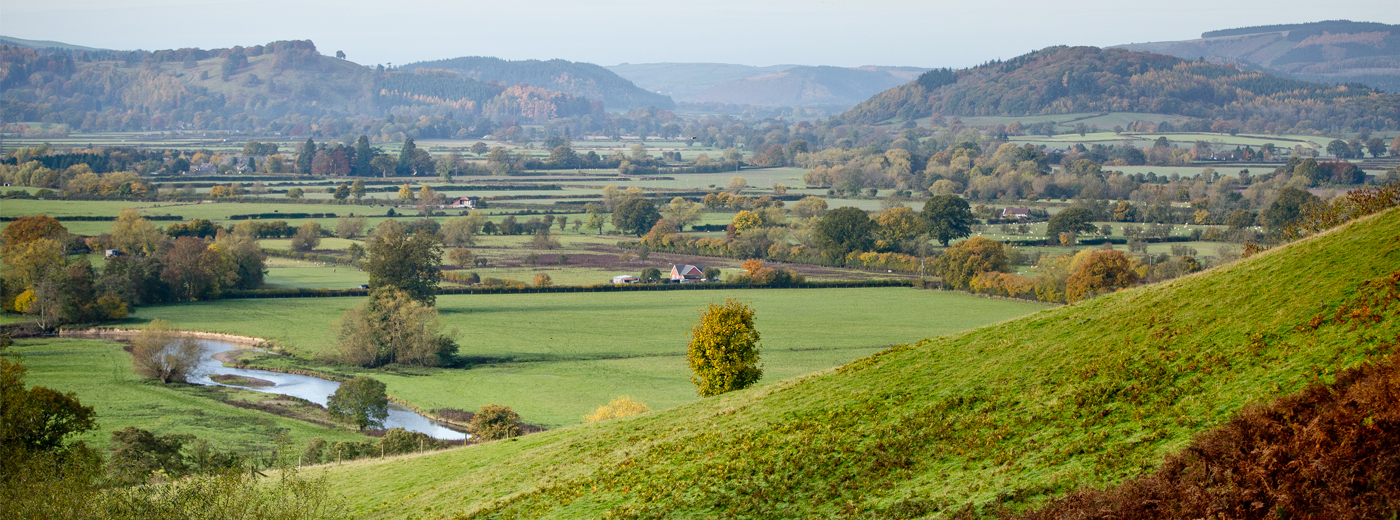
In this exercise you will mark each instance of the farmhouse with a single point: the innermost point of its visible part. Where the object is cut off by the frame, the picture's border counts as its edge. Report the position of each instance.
(1016, 213)
(465, 203)
(624, 278)
(687, 273)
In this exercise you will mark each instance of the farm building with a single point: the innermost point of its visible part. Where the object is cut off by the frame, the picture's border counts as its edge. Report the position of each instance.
(624, 278)
(465, 203)
(687, 273)
(1016, 213)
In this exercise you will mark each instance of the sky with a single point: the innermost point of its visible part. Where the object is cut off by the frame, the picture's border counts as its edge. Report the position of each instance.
(609, 32)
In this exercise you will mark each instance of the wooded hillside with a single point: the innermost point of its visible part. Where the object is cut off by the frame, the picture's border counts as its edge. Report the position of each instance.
(1063, 80)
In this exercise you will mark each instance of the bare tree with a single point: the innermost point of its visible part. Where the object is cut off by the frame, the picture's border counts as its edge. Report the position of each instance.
(159, 352)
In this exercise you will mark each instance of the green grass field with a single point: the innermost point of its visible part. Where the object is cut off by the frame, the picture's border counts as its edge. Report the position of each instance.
(1005, 415)
(554, 357)
(99, 371)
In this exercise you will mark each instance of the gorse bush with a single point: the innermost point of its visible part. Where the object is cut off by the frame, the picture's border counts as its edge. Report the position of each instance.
(623, 406)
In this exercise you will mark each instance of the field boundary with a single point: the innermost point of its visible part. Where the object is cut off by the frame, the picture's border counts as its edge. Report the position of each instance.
(331, 293)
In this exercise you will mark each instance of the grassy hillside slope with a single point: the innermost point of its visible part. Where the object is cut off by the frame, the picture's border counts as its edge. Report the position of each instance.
(1014, 413)
(555, 357)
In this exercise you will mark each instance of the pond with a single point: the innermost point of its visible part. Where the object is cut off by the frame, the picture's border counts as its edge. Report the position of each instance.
(310, 388)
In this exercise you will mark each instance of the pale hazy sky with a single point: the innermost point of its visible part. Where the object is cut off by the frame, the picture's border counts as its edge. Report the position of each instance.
(608, 32)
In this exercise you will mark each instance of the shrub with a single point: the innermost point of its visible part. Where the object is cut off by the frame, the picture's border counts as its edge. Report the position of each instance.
(623, 406)
(723, 350)
(493, 422)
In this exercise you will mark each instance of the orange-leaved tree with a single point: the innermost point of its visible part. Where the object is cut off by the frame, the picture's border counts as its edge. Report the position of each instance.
(1103, 271)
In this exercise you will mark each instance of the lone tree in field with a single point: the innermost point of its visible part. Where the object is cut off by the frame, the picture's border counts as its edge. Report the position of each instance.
(494, 422)
(159, 353)
(362, 401)
(392, 327)
(949, 217)
(723, 349)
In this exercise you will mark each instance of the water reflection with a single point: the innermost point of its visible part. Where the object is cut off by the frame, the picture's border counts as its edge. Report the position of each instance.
(312, 389)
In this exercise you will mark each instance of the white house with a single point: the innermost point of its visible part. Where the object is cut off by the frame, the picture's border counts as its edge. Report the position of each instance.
(1016, 213)
(624, 278)
(465, 203)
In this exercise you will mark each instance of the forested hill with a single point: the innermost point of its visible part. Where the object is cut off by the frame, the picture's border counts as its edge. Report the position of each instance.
(1337, 51)
(1065, 80)
(574, 78)
(286, 86)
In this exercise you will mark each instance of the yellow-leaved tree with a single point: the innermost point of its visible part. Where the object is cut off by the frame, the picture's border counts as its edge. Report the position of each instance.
(723, 349)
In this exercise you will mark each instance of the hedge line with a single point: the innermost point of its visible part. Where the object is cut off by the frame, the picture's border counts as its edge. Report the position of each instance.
(330, 293)
(1096, 241)
(97, 218)
(255, 216)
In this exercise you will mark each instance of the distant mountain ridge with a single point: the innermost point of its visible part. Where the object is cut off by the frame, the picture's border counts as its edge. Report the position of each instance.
(1065, 80)
(777, 85)
(575, 78)
(1335, 51)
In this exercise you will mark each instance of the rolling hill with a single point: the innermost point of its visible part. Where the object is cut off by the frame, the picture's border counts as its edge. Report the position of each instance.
(579, 79)
(777, 85)
(242, 88)
(1009, 415)
(1064, 80)
(1338, 51)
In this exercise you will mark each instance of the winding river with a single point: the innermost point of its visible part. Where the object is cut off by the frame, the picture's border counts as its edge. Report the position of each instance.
(312, 389)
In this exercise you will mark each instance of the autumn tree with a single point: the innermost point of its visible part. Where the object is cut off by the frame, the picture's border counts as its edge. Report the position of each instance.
(682, 212)
(948, 216)
(392, 327)
(724, 349)
(308, 237)
(969, 258)
(462, 231)
(350, 226)
(494, 422)
(133, 234)
(896, 226)
(160, 352)
(30, 228)
(1103, 271)
(362, 401)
